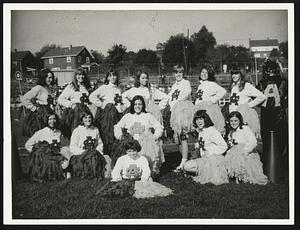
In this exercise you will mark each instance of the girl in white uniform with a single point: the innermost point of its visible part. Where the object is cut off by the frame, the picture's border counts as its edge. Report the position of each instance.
(135, 167)
(108, 100)
(241, 160)
(86, 140)
(45, 144)
(150, 94)
(207, 96)
(241, 100)
(140, 125)
(210, 167)
(182, 110)
(74, 99)
(38, 101)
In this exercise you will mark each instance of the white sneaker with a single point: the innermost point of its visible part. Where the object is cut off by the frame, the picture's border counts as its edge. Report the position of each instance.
(68, 176)
(65, 164)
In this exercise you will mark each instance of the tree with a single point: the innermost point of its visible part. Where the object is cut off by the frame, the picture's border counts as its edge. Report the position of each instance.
(173, 50)
(116, 54)
(274, 53)
(146, 57)
(98, 56)
(283, 49)
(42, 52)
(203, 41)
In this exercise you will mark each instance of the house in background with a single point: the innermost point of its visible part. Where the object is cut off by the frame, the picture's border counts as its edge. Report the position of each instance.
(262, 48)
(64, 61)
(23, 61)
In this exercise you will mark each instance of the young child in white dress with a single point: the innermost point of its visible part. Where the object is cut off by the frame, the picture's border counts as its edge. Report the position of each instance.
(136, 167)
(241, 160)
(210, 167)
(207, 96)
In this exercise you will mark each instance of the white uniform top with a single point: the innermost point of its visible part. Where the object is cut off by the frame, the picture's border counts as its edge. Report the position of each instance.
(128, 168)
(39, 93)
(104, 94)
(144, 92)
(183, 90)
(136, 124)
(69, 96)
(245, 95)
(244, 136)
(80, 134)
(45, 134)
(209, 91)
(212, 141)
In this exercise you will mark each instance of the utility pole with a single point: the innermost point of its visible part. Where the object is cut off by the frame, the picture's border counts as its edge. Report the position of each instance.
(255, 63)
(184, 55)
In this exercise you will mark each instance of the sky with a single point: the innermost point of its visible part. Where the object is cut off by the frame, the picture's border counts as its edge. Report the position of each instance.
(99, 30)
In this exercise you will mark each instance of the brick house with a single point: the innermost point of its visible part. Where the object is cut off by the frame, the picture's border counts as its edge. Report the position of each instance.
(262, 48)
(23, 61)
(64, 61)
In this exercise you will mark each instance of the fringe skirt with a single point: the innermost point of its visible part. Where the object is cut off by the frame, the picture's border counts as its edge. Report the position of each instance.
(155, 111)
(34, 121)
(105, 120)
(181, 118)
(215, 114)
(210, 169)
(71, 119)
(152, 150)
(245, 167)
(45, 163)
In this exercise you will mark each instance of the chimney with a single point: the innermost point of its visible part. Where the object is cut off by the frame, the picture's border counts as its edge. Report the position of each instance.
(70, 47)
(16, 50)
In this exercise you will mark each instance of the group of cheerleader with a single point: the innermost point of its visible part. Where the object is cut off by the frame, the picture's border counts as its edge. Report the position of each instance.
(110, 134)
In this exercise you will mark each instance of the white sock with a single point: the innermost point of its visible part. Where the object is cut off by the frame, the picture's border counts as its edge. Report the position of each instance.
(183, 160)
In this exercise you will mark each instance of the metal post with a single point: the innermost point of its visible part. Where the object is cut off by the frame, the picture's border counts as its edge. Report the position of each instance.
(21, 95)
(256, 80)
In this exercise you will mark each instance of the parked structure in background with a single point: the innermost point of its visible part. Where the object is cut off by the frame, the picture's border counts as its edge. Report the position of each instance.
(63, 61)
(23, 61)
(263, 48)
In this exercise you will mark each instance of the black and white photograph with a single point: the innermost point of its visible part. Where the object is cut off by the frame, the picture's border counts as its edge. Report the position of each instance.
(148, 113)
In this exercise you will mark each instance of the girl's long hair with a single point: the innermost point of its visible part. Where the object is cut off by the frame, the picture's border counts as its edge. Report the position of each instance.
(86, 83)
(135, 98)
(202, 115)
(210, 71)
(42, 78)
(137, 82)
(242, 81)
(114, 73)
(229, 129)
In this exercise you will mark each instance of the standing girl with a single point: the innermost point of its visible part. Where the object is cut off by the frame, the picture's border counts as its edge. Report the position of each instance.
(241, 161)
(109, 104)
(244, 97)
(145, 128)
(150, 94)
(208, 95)
(210, 167)
(181, 112)
(39, 102)
(75, 99)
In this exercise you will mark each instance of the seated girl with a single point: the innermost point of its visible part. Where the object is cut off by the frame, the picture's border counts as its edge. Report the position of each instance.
(86, 146)
(47, 159)
(241, 161)
(140, 124)
(133, 166)
(210, 166)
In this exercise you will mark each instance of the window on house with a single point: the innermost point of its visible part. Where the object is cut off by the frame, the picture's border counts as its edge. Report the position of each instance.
(50, 60)
(79, 59)
(68, 59)
(87, 59)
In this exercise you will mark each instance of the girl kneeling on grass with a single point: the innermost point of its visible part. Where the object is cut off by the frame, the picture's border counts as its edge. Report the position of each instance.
(210, 167)
(47, 159)
(86, 146)
(241, 161)
(135, 167)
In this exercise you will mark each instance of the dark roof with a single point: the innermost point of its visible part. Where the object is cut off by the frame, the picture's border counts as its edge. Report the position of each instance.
(19, 55)
(267, 42)
(65, 51)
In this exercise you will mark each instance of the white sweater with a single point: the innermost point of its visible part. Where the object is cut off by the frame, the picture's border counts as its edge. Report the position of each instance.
(212, 141)
(244, 136)
(80, 134)
(127, 168)
(184, 91)
(69, 96)
(210, 91)
(39, 93)
(136, 124)
(45, 134)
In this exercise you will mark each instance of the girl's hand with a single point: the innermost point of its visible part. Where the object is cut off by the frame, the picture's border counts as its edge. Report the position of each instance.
(73, 106)
(197, 145)
(34, 108)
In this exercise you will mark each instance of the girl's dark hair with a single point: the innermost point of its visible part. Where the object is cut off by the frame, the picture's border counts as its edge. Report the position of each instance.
(243, 81)
(202, 115)
(135, 98)
(86, 82)
(114, 73)
(179, 66)
(137, 82)
(49, 114)
(210, 71)
(237, 115)
(132, 144)
(84, 114)
(42, 78)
